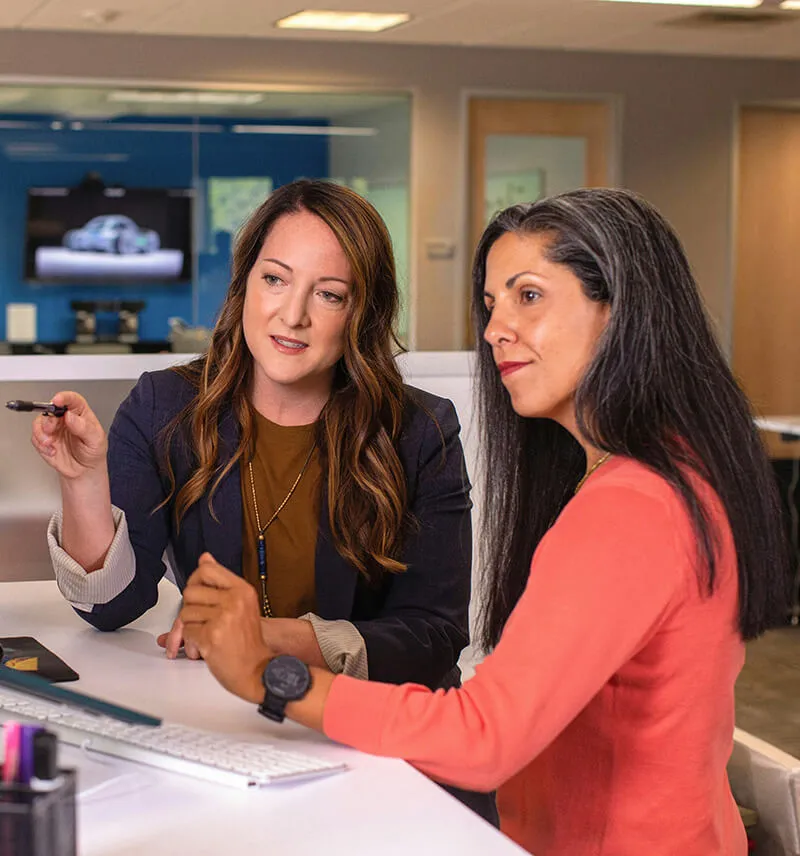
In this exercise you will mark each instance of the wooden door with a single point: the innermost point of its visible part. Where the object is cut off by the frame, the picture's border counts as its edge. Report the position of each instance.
(523, 149)
(766, 316)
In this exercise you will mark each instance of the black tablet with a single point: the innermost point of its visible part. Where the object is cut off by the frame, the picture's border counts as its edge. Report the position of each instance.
(26, 654)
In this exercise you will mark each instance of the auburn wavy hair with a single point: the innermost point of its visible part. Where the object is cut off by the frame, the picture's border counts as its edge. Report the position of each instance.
(359, 427)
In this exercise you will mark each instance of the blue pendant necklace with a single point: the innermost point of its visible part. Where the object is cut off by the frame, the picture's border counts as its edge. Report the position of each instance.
(261, 544)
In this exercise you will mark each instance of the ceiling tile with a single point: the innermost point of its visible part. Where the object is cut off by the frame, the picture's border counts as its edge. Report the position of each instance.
(14, 12)
(585, 22)
(128, 15)
(478, 21)
(781, 40)
(214, 18)
(564, 24)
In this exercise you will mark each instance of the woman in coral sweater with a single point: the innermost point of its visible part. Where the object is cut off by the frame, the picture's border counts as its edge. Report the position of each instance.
(633, 543)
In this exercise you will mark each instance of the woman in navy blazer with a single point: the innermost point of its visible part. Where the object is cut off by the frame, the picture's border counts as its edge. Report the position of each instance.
(414, 623)
(304, 336)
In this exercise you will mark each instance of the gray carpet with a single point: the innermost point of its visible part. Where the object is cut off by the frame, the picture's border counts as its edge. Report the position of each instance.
(768, 690)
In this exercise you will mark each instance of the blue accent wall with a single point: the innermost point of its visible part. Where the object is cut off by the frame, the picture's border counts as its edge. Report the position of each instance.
(39, 155)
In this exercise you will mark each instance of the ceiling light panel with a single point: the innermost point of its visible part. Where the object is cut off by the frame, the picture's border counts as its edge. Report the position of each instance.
(353, 22)
(709, 4)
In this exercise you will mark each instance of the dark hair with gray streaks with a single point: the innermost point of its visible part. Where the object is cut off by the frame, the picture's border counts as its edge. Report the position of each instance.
(658, 390)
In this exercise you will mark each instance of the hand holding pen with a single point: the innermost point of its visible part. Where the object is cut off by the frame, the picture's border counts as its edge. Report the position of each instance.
(75, 444)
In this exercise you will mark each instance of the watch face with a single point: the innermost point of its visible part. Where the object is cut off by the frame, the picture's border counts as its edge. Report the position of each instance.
(287, 677)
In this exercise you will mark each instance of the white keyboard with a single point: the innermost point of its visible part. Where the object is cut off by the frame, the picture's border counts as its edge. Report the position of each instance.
(201, 754)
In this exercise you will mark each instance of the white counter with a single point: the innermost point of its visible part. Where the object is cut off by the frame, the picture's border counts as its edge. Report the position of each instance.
(48, 367)
(68, 367)
(379, 806)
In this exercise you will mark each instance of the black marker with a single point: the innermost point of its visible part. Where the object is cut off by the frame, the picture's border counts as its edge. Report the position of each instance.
(30, 406)
(44, 752)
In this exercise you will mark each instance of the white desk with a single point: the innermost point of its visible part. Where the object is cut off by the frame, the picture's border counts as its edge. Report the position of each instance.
(379, 806)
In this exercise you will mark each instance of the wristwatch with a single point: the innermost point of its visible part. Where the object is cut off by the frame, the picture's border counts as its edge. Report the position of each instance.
(285, 679)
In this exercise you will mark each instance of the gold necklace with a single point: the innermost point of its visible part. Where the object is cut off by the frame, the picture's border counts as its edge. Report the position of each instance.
(591, 469)
(261, 544)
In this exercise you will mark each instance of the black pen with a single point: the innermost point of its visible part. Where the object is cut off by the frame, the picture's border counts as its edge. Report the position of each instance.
(44, 406)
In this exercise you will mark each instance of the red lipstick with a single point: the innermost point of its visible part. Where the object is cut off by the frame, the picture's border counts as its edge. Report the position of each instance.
(508, 367)
(286, 345)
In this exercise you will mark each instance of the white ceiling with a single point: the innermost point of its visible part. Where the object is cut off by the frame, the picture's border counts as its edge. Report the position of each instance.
(560, 24)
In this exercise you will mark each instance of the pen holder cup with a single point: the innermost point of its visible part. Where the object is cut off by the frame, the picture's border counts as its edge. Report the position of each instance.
(39, 822)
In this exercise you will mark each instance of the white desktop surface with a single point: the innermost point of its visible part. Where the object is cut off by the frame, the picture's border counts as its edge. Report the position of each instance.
(379, 806)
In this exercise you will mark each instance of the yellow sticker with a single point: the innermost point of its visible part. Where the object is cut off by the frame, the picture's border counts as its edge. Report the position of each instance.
(23, 664)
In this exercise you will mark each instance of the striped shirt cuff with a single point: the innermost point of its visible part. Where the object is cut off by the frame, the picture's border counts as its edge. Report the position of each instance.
(343, 647)
(84, 590)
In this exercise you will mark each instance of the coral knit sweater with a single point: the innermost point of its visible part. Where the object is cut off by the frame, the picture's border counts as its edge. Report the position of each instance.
(605, 714)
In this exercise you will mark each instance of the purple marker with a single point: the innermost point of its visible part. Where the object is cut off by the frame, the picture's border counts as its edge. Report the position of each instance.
(25, 769)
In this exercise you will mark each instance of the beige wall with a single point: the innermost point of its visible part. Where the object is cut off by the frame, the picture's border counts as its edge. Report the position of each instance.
(676, 143)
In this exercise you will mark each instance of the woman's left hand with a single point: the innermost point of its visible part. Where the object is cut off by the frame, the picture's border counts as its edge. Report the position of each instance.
(221, 618)
(173, 641)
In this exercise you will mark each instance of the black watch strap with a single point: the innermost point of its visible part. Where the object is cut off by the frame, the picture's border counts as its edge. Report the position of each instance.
(272, 707)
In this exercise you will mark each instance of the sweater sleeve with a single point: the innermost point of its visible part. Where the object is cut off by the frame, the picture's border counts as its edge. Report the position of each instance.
(602, 580)
(342, 646)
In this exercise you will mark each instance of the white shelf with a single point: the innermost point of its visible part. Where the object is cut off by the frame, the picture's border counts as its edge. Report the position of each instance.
(419, 364)
(58, 367)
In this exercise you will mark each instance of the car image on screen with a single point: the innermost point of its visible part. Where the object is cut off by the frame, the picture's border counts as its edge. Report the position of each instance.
(112, 233)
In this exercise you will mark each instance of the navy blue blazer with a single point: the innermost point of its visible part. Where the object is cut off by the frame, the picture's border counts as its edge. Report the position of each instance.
(414, 624)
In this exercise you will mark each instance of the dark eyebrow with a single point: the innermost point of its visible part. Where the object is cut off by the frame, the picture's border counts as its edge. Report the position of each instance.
(321, 279)
(279, 263)
(510, 282)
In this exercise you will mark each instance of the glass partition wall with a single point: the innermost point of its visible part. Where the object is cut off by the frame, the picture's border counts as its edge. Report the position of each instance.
(123, 197)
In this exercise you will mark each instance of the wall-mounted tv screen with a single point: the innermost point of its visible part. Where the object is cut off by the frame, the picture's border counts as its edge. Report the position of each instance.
(108, 234)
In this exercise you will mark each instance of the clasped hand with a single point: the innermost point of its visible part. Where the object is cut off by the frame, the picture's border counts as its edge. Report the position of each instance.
(222, 623)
